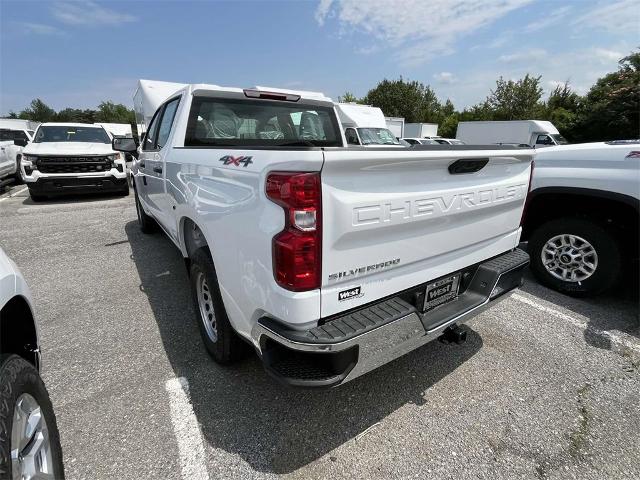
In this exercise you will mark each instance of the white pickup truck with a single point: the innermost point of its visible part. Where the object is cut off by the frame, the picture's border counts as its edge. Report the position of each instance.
(72, 158)
(330, 261)
(14, 135)
(582, 216)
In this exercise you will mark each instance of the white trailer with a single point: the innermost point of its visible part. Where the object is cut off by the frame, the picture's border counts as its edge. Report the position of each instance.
(395, 125)
(420, 130)
(148, 97)
(537, 133)
(365, 125)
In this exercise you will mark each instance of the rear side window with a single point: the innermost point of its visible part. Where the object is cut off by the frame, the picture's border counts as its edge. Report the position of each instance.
(246, 123)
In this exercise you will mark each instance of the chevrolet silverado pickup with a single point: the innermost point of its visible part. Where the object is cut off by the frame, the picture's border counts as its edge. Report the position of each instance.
(69, 158)
(329, 260)
(581, 220)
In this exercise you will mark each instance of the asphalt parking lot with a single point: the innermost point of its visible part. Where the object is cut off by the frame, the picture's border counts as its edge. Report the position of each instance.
(546, 387)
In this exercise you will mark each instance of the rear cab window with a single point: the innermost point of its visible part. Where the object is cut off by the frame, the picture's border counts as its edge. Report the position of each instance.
(261, 123)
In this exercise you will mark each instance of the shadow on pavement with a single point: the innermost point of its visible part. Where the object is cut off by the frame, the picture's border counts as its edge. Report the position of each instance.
(616, 311)
(69, 198)
(242, 411)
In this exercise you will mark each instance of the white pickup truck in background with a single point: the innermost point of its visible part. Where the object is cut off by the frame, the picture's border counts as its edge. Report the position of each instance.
(581, 220)
(14, 135)
(70, 158)
(330, 261)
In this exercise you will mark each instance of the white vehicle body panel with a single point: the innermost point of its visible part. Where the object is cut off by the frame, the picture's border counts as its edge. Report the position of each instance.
(9, 152)
(493, 132)
(420, 130)
(12, 283)
(395, 125)
(595, 166)
(354, 115)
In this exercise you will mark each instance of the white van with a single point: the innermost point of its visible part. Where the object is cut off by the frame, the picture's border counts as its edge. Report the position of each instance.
(365, 125)
(536, 133)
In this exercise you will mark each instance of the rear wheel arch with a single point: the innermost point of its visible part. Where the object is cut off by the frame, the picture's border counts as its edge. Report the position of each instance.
(192, 239)
(18, 332)
(602, 207)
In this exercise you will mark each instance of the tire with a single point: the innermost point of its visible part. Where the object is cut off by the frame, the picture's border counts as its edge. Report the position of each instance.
(37, 198)
(17, 379)
(226, 347)
(607, 255)
(147, 223)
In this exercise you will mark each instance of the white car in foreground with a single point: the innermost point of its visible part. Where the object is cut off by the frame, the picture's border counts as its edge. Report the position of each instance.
(582, 216)
(29, 439)
(72, 158)
(330, 261)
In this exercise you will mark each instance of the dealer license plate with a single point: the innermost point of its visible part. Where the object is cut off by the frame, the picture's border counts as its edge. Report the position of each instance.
(440, 292)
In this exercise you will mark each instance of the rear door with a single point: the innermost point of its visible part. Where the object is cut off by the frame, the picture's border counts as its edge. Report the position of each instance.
(395, 219)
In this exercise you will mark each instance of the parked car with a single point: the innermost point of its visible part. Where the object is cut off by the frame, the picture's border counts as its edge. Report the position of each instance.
(29, 438)
(420, 141)
(12, 130)
(581, 221)
(313, 252)
(72, 158)
(531, 132)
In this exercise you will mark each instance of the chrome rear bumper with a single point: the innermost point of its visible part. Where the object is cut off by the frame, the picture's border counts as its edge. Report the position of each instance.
(345, 347)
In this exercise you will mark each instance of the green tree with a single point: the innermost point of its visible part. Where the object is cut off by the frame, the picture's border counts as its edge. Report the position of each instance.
(38, 111)
(348, 97)
(562, 109)
(110, 112)
(412, 100)
(519, 100)
(76, 115)
(611, 108)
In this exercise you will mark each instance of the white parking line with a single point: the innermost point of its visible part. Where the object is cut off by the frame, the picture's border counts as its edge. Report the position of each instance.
(614, 338)
(13, 194)
(186, 430)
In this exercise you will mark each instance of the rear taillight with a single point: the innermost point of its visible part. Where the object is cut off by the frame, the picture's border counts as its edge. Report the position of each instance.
(297, 249)
(526, 200)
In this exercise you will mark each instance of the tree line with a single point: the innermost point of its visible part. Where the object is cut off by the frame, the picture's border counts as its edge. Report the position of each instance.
(610, 110)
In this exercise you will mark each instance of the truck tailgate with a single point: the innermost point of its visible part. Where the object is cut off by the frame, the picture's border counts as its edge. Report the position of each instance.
(395, 219)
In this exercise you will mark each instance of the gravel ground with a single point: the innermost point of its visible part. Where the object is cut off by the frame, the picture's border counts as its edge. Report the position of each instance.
(546, 386)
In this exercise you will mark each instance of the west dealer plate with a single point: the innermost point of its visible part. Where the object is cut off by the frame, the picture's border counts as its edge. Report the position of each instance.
(441, 292)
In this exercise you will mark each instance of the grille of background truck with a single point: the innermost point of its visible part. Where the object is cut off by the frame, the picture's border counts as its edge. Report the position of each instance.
(73, 164)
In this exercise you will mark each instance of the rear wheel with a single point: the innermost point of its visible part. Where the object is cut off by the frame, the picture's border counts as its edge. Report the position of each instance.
(575, 256)
(147, 224)
(219, 338)
(29, 439)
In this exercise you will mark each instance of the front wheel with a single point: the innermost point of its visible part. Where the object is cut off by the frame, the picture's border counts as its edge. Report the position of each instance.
(575, 256)
(147, 224)
(29, 439)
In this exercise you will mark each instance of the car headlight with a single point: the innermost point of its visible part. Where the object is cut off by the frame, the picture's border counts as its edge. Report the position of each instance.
(29, 158)
(115, 156)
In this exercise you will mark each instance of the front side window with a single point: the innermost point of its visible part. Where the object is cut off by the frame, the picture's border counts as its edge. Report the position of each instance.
(543, 140)
(246, 123)
(164, 127)
(62, 133)
(150, 135)
(352, 136)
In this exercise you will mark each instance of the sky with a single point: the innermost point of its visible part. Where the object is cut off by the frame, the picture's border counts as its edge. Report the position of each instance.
(79, 53)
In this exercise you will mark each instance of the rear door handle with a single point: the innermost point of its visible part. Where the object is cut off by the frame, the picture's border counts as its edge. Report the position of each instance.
(157, 169)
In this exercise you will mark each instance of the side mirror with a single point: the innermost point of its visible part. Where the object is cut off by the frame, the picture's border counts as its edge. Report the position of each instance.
(21, 142)
(125, 144)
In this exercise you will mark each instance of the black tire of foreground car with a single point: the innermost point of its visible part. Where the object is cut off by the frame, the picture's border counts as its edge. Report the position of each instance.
(22, 392)
(147, 223)
(577, 248)
(220, 340)
(37, 198)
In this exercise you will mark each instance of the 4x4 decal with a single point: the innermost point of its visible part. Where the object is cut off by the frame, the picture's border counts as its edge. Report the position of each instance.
(236, 161)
